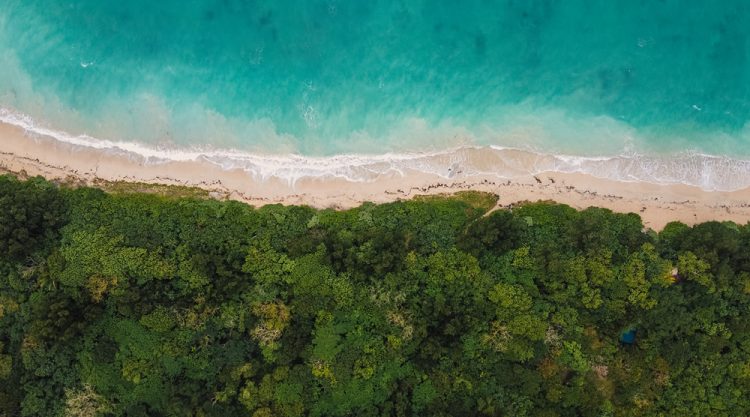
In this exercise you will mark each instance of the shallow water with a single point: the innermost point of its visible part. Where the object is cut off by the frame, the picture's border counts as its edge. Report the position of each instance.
(641, 80)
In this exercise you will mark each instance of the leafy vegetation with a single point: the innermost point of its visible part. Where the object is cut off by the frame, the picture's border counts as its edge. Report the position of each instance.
(133, 304)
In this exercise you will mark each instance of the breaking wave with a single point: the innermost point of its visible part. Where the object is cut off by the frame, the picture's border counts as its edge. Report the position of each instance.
(709, 172)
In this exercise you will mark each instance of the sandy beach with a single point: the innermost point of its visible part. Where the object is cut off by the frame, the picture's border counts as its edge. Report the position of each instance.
(31, 154)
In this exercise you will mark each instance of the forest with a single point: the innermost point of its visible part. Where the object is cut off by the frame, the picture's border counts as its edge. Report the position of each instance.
(127, 303)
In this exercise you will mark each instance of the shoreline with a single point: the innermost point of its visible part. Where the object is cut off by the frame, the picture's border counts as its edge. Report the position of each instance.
(28, 153)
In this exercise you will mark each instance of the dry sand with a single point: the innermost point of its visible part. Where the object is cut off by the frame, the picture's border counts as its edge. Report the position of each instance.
(32, 154)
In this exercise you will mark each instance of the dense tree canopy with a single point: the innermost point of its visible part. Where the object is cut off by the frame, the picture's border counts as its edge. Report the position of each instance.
(130, 304)
(30, 215)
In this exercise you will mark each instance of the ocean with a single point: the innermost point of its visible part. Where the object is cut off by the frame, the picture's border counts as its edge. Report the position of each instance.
(654, 91)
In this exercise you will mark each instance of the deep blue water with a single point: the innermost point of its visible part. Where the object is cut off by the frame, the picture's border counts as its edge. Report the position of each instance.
(328, 77)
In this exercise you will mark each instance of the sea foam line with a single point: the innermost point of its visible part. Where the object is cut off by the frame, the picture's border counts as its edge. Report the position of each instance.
(709, 172)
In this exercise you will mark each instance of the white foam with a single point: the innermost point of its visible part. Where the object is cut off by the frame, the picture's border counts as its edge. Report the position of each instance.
(709, 172)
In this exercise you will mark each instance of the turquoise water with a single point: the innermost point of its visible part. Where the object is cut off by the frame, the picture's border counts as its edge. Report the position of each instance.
(329, 77)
